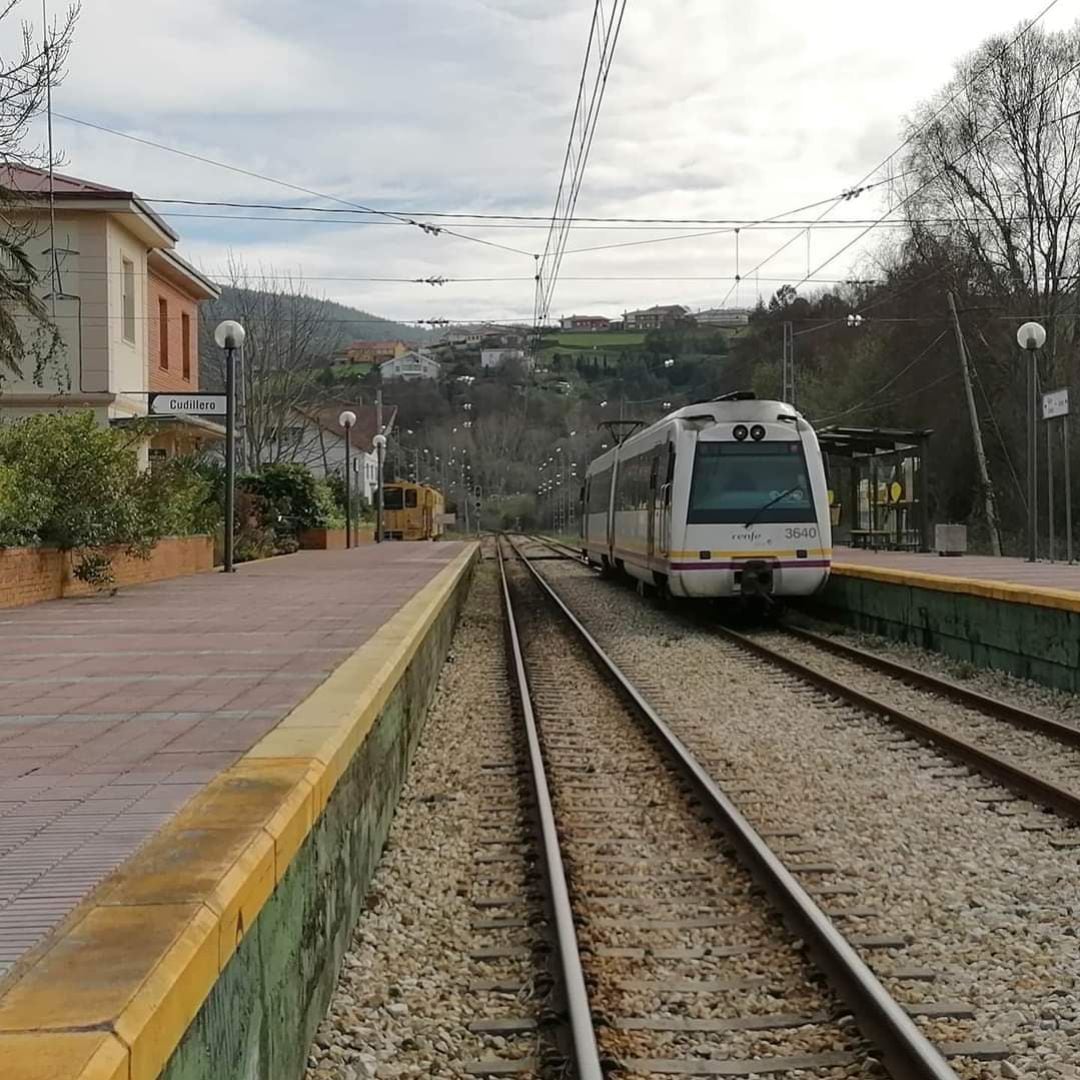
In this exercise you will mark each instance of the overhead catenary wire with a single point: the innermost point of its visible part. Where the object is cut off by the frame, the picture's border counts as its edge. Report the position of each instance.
(861, 185)
(426, 227)
(604, 32)
(869, 400)
(1009, 115)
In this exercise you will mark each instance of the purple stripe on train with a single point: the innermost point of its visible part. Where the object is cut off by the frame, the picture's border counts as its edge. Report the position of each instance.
(797, 564)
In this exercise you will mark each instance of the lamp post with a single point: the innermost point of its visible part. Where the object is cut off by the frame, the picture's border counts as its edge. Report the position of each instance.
(347, 420)
(380, 449)
(1031, 337)
(229, 336)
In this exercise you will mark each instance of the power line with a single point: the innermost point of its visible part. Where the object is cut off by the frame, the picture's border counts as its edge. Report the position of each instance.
(1009, 115)
(606, 37)
(885, 386)
(426, 227)
(861, 186)
(967, 86)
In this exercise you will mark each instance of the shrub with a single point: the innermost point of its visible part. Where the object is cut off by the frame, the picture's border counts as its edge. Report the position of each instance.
(289, 486)
(335, 483)
(68, 482)
(24, 506)
(294, 499)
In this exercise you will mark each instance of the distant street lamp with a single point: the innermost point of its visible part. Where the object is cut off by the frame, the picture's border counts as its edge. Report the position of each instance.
(348, 420)
(380, 449)
(1031, 337)
(230, 336)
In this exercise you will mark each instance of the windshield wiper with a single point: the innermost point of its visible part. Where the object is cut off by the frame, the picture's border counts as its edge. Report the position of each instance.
(761, 509)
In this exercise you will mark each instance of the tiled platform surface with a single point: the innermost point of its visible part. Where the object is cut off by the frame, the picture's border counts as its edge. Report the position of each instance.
(114, 711)
(1037, 575)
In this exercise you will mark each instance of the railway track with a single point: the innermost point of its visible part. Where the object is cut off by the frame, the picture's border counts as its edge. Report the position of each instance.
(670, 960)
(1034, 755)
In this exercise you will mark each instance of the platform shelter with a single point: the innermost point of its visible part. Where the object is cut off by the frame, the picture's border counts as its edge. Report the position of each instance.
(878, 481)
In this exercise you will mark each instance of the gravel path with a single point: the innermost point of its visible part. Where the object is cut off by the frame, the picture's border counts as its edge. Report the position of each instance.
(403, 1002)
(987, 903)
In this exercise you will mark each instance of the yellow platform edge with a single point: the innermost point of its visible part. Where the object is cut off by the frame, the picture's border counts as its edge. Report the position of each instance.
(1034, 595)
(109, 995)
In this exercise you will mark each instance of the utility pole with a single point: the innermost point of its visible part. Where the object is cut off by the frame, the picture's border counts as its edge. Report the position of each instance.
(788, 365)
(976, 432)
(380, 444)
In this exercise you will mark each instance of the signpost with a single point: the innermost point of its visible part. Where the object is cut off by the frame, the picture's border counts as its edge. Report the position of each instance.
(188, 404)
(1055, 404)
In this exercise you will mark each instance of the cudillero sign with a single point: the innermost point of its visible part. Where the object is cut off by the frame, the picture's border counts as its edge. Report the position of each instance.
(188, 404)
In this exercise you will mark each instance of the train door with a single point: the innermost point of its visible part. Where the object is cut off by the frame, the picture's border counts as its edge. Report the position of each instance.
(654, 471)
(664, 502)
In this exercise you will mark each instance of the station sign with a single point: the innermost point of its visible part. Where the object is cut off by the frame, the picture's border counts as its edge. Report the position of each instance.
(1055, 403)
(163, 404)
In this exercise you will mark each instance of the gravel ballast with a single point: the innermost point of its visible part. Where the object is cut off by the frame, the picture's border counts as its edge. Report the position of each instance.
(978, 886)
(403, 1002)
(648, 874)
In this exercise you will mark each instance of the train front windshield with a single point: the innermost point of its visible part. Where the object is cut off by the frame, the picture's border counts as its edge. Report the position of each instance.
(740, 482)
(392, 498)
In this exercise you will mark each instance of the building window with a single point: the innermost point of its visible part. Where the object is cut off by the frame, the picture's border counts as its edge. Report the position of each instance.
(127, 300)
(163, 332)
(185, 333)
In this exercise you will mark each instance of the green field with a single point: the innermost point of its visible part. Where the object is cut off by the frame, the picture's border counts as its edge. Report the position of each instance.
(605, 340)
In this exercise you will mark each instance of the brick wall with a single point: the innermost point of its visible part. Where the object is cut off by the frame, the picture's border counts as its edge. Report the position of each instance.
(176, 305)
(333, 539)
(28, 575)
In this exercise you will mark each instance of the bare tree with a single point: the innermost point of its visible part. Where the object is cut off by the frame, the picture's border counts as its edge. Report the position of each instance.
(289, 338)
(26, 80)
(993, 183)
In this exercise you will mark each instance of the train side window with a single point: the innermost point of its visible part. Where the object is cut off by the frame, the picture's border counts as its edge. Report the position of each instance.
(654, 471)
(410, 499)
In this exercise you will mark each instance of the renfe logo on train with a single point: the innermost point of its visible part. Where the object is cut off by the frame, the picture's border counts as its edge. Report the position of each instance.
(188, 404)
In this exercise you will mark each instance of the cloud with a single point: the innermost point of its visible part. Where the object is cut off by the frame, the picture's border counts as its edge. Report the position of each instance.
(714, 108)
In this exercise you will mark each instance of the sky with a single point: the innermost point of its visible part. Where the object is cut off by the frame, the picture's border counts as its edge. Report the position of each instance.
(713, 109)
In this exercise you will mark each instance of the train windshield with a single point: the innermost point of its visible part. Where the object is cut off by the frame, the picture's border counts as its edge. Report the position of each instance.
(736, 482)
(392, 498)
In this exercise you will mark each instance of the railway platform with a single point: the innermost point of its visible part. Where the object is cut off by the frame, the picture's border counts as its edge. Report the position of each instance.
(196, 779)
(1003, 613)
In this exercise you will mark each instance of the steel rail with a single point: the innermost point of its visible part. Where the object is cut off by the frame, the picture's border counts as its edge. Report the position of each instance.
(906, 1052)
(559, 548)
(1003, 710)
(1008, 772)
(583, 1036)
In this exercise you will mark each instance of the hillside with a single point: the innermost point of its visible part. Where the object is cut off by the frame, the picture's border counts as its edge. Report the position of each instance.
(328, 324)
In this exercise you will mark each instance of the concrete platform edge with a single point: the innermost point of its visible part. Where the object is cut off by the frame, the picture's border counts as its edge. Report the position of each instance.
(213, 951)
(1062, 599)
(1027, 632)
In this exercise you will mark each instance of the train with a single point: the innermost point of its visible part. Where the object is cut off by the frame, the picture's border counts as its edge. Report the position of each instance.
(727, 499)
(412, 512)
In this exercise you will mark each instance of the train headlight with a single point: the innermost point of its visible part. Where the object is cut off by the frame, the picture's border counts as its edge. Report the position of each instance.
(757, 433)
(740, 432)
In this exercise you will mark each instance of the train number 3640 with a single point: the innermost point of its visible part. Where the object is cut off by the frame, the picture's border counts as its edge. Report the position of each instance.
(808, 532)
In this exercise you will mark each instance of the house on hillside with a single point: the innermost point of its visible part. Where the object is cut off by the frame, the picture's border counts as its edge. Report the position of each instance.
(655, 318)
(723, 317)
(311, 436)
(587, 323)
(126, 305)
(365, 355)
(410, 365)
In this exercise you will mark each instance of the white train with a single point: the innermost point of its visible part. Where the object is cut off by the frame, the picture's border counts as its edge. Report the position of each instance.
(723, 499)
